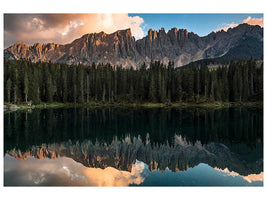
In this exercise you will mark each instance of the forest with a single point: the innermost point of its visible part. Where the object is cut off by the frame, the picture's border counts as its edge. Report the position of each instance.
(25, 81)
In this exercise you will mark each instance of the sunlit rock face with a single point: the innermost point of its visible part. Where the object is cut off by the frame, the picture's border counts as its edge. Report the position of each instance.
(122, 154)
(121, 48)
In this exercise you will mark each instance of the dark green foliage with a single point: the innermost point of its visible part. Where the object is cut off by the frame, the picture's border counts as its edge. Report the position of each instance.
(233, 126)
(8, 87)
(48, 82)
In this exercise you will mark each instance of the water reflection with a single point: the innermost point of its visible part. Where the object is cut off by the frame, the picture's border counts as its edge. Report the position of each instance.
(122, 154)
(235, 125)
(78, 146)
(66, 172)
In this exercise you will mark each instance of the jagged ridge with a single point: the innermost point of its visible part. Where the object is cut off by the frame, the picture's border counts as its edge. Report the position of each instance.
(120, 47)
(122, 154)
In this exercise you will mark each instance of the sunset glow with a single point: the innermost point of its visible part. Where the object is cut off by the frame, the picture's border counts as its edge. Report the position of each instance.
(64, 28)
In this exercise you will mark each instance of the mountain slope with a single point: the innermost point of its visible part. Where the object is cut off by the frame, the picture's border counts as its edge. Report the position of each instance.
(120, 47)
(123, 154)
(248, 48)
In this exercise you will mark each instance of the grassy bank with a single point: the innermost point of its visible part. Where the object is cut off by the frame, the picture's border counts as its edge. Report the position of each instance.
(216, 104)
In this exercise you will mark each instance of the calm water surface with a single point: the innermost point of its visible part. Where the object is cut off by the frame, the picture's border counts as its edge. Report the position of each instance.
(134, 147)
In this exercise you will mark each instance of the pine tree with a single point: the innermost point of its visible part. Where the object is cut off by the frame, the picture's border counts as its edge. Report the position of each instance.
(74, 84)
(251, 71)
(87, 88)
(225, 85)
(80, 85)
(64, 85)
(151, 94)
(212, 85)
(179, 90)
(204, 81)
(115, 84)
(48, 82)
(26, 86)
(188, 83)
(163, 86)
(15, 83)
(49, 89)
(197, 83)
(8, 86)
(34, 91)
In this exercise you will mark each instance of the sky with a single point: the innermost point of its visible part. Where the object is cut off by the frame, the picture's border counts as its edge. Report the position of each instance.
(65, 171)
(64, 28)
(201, 24)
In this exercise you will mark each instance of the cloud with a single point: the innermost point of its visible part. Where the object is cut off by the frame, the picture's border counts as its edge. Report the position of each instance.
(249, 20)
(249, 178)
(113, 177)
(64, 28)
(226, 27)
(253, 21)
(65, 171)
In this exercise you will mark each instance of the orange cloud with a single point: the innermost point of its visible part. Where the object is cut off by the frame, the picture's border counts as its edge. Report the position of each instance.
(64, 28)
(65, 171)
(253, 21)
(113, 177)
(249, 20)
(112, 22)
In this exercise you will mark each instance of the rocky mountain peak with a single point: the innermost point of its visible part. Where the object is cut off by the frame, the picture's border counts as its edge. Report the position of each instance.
(19, 46)
(120, 47)
(182, 34)
(123, 33)
(152, 34)
(173, 34)
(162, 31)
(37, 45)
(172, 31)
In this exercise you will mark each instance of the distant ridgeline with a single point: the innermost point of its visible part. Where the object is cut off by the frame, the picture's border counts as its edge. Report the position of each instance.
(53, 82)
(121, 48)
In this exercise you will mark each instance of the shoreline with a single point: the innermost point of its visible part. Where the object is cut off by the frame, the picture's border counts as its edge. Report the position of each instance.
(24, 106)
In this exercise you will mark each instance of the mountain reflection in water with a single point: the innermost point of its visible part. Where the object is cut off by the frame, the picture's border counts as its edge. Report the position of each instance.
(120, 147)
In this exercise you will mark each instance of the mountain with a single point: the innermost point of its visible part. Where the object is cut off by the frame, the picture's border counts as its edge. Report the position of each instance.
(120, 47)
(248, 48)
(122, 154)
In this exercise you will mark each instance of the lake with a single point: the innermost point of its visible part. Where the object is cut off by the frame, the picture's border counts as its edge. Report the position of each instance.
(134, 147)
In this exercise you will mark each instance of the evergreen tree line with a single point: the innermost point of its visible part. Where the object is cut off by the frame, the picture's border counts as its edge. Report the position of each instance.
(26, 81)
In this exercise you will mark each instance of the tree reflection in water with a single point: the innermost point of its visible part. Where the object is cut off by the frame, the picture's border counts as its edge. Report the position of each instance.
(172, 139)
